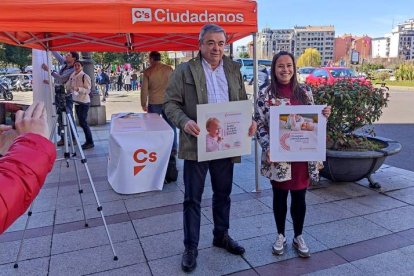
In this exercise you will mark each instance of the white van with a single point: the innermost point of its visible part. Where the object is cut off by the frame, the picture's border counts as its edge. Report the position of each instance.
(246, 68)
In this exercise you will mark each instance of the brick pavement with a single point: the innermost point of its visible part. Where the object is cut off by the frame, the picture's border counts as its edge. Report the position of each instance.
(351, 229)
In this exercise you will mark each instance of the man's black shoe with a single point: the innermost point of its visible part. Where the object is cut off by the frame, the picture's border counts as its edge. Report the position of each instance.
(189, 260)
(229, 244)
(87, 146)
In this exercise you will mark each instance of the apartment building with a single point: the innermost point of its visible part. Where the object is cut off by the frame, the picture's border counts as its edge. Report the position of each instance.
(320, 38)
(403, 35)
(343, 46)
(272, 41)
(381, 46)
(398, 44)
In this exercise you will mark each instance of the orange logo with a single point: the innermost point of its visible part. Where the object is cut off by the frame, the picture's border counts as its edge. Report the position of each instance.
(141, 156)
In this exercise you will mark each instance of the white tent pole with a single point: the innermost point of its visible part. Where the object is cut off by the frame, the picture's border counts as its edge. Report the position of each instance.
(52, 97)
(255, 92)
(41, 91)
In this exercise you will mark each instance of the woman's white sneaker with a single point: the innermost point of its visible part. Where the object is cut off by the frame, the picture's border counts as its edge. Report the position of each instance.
(278, 247)
(301, 247)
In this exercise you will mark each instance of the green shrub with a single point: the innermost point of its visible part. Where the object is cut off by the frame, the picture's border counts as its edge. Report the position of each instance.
(356, 104)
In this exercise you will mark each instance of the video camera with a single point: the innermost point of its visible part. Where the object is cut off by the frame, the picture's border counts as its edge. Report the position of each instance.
(60, 98)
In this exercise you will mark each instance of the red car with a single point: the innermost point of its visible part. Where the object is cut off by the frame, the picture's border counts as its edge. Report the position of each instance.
(328, 75)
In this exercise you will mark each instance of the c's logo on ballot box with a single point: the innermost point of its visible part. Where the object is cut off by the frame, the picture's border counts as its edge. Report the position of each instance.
(142, 156)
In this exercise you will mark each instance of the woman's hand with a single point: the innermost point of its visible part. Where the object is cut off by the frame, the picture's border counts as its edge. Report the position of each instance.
(326, 111)
(252, 128)
(268, 156)
(276, 102)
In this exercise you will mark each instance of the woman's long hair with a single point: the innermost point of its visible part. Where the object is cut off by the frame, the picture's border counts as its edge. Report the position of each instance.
(298, 92)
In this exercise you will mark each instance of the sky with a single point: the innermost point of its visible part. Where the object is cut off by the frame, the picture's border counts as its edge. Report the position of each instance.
(358, 17)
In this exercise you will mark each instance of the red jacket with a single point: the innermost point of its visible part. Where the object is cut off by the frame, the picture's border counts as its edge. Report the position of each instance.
(22, 173)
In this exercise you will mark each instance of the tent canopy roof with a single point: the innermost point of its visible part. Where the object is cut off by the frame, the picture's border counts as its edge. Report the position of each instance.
(120, 25)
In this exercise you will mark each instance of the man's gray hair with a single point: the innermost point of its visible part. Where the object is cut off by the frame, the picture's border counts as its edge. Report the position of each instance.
(210, 28)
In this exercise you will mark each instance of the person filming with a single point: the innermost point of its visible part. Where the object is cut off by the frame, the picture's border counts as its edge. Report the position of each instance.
(28, 158)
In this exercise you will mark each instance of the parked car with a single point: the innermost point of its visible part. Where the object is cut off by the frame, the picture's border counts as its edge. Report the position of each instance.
(246, 68)
(304, 72)
(10, 70)
(28, 69)
(331, 74)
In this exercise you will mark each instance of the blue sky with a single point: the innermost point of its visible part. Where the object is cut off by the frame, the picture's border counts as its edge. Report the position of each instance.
(358, 17)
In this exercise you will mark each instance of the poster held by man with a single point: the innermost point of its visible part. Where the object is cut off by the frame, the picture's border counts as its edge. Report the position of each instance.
(224, 130)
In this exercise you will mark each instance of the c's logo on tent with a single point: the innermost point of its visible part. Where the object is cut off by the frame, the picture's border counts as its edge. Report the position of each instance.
(141, 15)
(142, 156)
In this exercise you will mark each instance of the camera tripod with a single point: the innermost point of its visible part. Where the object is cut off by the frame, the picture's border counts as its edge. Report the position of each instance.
(69, 133)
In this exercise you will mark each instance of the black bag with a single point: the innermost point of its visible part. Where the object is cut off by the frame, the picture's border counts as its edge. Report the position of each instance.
(172, 172)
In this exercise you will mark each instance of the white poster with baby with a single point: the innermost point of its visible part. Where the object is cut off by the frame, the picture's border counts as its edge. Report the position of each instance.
(224, 130)
(297, 133)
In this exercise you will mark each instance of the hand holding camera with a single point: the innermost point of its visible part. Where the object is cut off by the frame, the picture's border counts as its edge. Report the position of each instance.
(33, 120)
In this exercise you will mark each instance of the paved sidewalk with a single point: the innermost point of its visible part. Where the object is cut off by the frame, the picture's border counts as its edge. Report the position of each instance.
(351, 229)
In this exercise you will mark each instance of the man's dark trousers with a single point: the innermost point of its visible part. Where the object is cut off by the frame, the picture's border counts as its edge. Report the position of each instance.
(221, 172)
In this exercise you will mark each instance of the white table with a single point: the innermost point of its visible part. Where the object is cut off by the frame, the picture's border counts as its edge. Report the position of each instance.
(139, 149)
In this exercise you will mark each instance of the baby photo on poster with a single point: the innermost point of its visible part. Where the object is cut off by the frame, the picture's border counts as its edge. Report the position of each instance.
(224, 130)
(297, 133)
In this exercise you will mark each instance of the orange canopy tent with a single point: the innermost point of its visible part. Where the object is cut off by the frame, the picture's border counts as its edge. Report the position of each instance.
(123, 25)
(120, 25)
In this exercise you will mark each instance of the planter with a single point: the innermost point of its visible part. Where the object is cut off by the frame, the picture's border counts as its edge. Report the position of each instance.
(350, 166)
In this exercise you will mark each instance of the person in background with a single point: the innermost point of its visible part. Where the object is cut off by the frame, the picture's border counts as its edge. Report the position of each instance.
(211, 77)
(27, 159)
(79, 84)
(63, 100)
(112, 79)
(127, 81)
(104, 82)
(285, 177)
(262, 76)
(119, 81)
(134, 78)
(154, 82)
